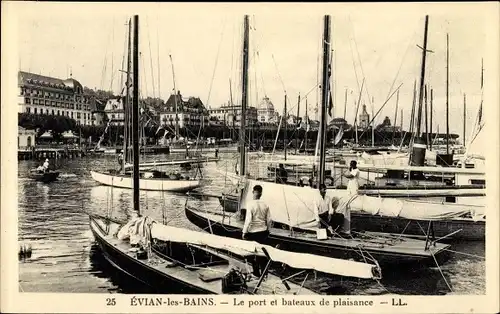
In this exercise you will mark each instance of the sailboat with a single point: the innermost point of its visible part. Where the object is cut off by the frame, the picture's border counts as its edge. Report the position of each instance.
(176, 260)
(150, 179)
(449, 220)
(294, 222)
(408, 170)
(387, 176)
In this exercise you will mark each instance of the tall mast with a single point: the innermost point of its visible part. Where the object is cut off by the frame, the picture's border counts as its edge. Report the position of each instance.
(244, 96)
(422, 78)
(373, 126)
(175, 101)
(232, 107)
(431, 109)
(412, 116)
(285, 122)
(345, 102)
(324, 100)
(426, 119)
(357, 109)
(447, 94)
(465, 117)
(297, 133)
(126, 105)
(395, 118)
(307, 126)
(401, 120)
(135, 112)
(418, 156)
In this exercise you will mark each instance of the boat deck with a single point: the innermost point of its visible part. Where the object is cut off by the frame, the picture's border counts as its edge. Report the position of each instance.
(209, 278)
(386, 248)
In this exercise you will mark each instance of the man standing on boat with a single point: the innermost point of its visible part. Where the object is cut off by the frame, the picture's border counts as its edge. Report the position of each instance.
(120, 160)
(352, 189)
(282, 175)
(353, 176)
(257, 225)
(323, 208)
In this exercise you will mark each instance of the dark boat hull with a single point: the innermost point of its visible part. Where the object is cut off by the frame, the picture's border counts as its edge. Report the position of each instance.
(313, 246)
(137, 269)
(470, 229)
(45, 177)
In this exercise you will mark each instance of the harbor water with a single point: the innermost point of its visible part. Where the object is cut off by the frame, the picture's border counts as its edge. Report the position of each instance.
(53, 220)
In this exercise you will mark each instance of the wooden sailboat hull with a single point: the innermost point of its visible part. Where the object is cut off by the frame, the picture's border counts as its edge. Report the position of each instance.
(471, 229)
(406, 251)
(167, 275)
(145, 271)
(150, 184)
(45, 177)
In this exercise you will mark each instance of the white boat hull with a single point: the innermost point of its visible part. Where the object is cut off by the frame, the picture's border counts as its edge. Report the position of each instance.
(150, 184)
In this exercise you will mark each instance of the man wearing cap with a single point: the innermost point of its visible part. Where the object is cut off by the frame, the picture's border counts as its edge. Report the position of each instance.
(257, 225)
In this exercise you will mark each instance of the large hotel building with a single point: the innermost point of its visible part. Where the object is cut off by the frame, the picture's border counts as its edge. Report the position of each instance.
(40, 94)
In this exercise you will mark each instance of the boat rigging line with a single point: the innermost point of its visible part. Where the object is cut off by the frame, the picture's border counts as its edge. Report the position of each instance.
(112, 56)
(211, 82)
(151, 59)
(121, 87)
(382, 107)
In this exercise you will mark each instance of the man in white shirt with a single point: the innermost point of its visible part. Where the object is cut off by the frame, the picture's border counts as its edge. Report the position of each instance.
(46, 165)
(120, 160)
(323, 207)
(352, 189)
(353, 176)
(257, 225)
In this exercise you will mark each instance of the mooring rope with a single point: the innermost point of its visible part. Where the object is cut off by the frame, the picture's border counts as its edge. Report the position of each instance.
(439, 268)
(466, 254)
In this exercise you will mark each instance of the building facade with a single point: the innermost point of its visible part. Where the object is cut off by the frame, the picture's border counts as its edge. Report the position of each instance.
(266, 112)
(226, 114)
(114, 111)
(46, 95)
(98, 113)
(25, 137)
(191, 112)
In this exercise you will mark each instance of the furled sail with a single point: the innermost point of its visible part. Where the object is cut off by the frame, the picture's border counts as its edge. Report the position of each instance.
(137, 231)
(408, 209)
(293, 205)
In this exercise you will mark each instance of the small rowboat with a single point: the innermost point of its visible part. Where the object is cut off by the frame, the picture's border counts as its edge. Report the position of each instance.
(44, 176)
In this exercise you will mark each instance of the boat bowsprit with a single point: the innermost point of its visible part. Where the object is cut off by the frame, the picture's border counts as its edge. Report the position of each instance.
(150, 180)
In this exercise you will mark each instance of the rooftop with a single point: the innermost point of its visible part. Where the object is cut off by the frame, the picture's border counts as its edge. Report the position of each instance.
(27, 78)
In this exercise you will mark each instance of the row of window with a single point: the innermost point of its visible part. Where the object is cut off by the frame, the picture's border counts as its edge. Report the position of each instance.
(183, 109)
(71, 114)
(183, 115)
(57, 104)
(41, 93)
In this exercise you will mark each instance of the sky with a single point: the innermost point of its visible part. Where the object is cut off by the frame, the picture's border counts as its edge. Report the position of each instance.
(379, 46)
